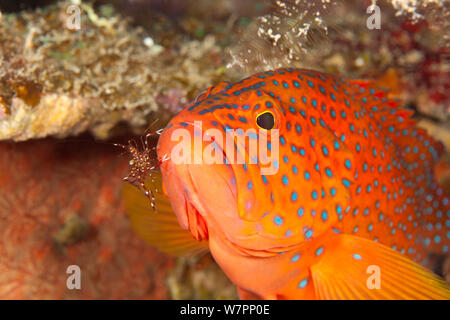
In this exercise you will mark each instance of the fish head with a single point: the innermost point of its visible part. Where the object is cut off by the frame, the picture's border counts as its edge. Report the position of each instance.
(282, 176)
(218, 157)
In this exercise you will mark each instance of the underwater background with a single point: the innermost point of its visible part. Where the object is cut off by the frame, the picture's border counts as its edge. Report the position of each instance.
(78, 76)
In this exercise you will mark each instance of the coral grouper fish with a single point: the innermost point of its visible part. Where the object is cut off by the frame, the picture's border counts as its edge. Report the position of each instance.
(351, 210)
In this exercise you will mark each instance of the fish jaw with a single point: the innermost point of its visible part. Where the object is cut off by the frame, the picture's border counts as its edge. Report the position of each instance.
(262, 276)
(196, 191)
(203, 193)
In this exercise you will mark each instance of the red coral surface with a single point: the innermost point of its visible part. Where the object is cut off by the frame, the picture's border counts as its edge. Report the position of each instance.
(60, 205)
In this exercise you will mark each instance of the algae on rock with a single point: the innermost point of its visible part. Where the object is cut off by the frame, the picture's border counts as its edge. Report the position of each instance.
(55, 81)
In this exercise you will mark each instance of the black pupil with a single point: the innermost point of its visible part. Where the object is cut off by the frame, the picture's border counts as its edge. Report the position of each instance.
(265, 120)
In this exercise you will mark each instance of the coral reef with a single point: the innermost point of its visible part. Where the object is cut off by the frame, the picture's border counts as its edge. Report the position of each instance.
(58, 81)
(60, 205)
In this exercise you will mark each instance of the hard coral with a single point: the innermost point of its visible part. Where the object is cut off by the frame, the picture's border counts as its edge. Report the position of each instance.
(56, 81)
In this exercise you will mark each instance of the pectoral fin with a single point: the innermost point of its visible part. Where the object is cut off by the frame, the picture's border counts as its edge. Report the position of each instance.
(356, 268)
(161, 228)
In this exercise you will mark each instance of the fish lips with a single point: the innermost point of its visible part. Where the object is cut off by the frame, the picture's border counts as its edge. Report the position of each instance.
(198, 192)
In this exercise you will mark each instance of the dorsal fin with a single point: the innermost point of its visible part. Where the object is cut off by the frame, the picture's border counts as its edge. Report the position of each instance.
(393, 119)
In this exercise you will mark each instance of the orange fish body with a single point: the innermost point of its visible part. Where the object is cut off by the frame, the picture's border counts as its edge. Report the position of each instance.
(351, 204)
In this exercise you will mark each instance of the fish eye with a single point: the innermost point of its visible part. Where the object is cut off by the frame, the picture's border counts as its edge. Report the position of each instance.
(265, 120)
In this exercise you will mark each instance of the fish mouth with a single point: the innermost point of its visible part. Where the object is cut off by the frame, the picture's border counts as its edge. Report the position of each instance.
(216, 192)
(196, 191)
(179, 188)
(210, 198)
